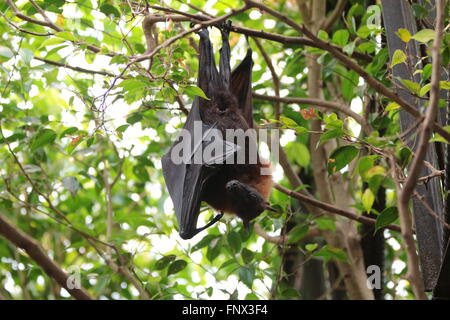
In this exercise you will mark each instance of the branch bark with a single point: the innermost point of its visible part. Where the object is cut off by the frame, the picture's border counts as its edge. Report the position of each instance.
(32, 248)
(347, 61)
(317, 102)
(196, 18)
(405, 193)
(332, 209)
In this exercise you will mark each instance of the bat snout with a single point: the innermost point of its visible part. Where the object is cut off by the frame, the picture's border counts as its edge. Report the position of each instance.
(233, 186)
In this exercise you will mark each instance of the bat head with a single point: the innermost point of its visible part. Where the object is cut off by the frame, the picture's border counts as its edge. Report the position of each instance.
(227, 90)
(247, 201)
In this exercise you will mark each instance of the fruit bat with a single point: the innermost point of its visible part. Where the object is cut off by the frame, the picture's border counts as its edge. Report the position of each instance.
(238, 188)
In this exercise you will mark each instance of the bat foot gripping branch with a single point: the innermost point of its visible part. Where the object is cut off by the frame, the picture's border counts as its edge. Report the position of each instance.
(209, 224)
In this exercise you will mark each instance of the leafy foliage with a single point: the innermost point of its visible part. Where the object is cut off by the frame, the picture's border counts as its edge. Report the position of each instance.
(83, 131)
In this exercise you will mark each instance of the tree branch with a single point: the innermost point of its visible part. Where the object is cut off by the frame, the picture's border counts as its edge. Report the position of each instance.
(316, 102)
(405, 193)
(414, 276)
(347, 61)
(197, 18)
(331, 19)
(275, 78)
(332, 209)
(430, 116)
(79, 69)
(32, 248)
(282, 240)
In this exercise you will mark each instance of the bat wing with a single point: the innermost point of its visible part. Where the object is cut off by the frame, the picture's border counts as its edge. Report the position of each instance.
(186, 179)
(241, 86)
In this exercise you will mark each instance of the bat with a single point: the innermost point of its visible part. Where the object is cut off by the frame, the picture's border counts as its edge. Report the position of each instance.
(237, 189)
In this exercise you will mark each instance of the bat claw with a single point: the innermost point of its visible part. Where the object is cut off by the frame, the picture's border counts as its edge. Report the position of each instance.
(209, 224)
(224, 26)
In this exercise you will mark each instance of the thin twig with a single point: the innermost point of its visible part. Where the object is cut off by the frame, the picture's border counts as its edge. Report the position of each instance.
(35, 252)
(79, 69)
(275, 78)
(317, 102)
(332, 209)
(347, 61)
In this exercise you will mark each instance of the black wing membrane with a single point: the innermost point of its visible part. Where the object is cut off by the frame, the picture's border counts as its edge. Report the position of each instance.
(241, 86)
(186, 180)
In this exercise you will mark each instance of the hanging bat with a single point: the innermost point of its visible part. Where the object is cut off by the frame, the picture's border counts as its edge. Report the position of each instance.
(237, 189)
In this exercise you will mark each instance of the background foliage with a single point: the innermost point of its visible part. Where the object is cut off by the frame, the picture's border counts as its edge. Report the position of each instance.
(83, 132)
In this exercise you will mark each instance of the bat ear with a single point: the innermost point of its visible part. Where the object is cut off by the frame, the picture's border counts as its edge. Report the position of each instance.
(225, 69)
(208, 77)
(241, 86)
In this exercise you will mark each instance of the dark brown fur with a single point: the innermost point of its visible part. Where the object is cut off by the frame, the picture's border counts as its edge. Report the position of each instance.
(223, 110)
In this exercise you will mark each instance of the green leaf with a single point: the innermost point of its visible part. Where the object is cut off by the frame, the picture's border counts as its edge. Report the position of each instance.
(438, 138)
(101, 284)
(176, 266)
(325, 223)
(404, 155)
(311, 246)
(74, 143)
(419, 11)
(404, 34)
(288, 122)
(135, 117)
(247, 255)
(386, 217)
(392, 106)
(398, 57)
(52, 42)
(68, 132)
(444, 85)
(234, 240)
(340, 37)
(297, 233)
(26, 55)
(164, 261)
(349, 84)
(66, 35)
(214, 249)
(426, 74)
(42, 138)
(122, 128)
(375, 182)
(251, 296)
(414, 87)
(349, 48)
(331, 134)
(6, 52)
(204, 242)
(424, 35)
(340, 157)
(247, 275)
(368, 198)
(424, 90)
(299, 152)
(193, 91)
(323, 35)
(109, 10)
(365, 164)
(364, 31)
(329, 253)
